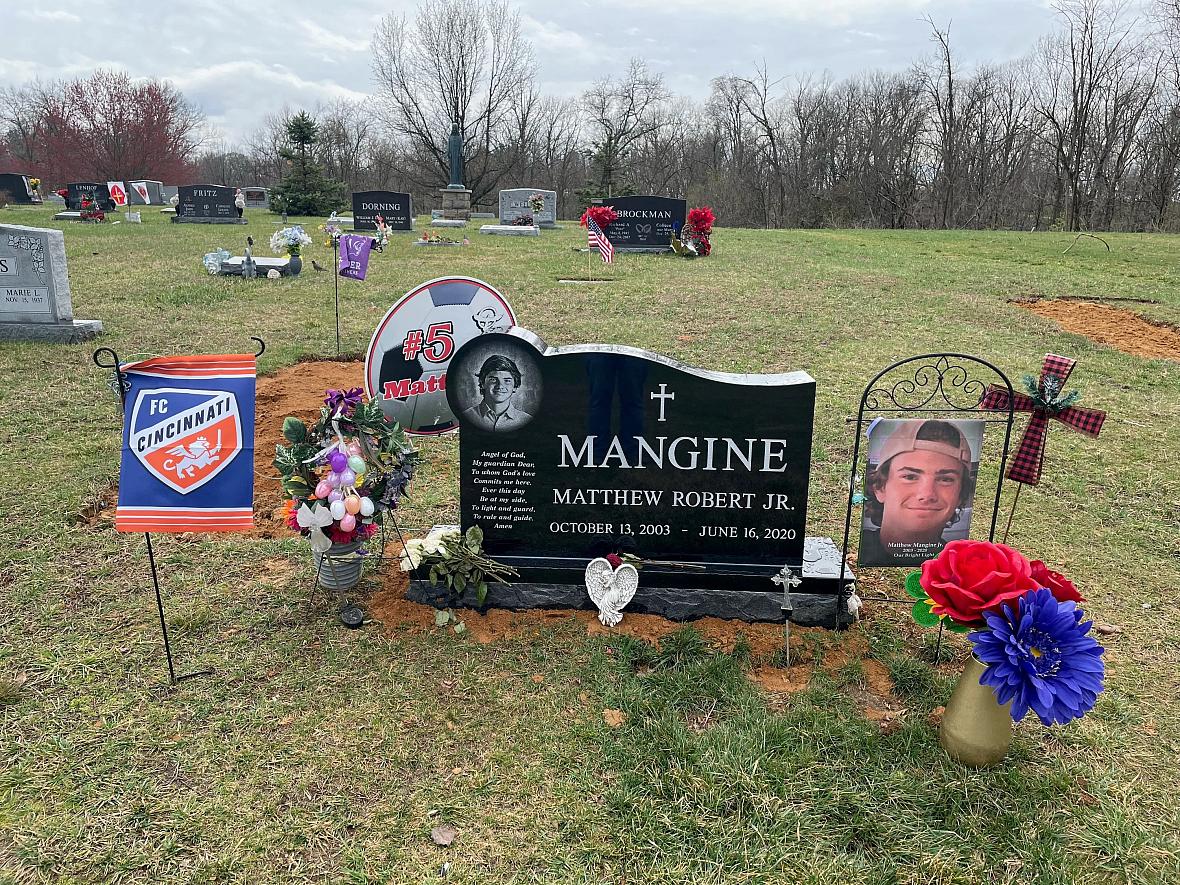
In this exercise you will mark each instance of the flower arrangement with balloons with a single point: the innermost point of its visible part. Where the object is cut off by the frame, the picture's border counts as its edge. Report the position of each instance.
(342, 474)
(1025, 626)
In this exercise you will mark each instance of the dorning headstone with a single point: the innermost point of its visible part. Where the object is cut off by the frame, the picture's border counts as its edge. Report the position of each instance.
(645, 224)
(256, 197)
(35, 288)
(15, 188)
(514, 202)
(78, 191)
(397, 209)
(144, 192)
(207, 204)
(570, 453)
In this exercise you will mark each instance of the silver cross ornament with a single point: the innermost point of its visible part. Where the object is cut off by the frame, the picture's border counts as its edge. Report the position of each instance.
(788, 580)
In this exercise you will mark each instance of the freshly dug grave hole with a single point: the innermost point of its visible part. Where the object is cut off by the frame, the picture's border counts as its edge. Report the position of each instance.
(1112, 326)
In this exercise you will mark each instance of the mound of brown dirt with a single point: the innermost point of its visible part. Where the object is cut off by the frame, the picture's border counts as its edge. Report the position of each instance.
(1113, 326)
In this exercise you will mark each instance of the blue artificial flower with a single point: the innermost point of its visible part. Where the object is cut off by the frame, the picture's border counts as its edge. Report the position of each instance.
(1040, 657)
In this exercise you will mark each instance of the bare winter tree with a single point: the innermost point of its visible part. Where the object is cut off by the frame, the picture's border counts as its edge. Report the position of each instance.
(619, 113)
(460, 62)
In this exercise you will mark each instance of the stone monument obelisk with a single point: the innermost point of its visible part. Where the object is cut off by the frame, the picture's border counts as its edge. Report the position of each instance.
(456, 199)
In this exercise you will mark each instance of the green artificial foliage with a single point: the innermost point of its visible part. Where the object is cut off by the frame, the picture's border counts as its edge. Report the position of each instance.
(305, 189)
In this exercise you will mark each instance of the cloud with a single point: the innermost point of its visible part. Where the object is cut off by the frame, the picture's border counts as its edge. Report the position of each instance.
(321, 38)
(55, 15)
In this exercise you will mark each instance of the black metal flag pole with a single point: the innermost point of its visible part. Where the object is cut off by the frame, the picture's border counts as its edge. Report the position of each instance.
(121, 386)
(336, 278)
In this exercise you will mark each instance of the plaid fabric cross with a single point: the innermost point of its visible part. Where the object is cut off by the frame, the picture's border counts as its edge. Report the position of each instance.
(1025, 465)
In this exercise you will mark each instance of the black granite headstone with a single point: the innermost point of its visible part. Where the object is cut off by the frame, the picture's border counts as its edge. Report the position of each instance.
(645, 223)
(397, 209)
(614, 449)
(206, 204)
(79, 190)
(15, 188)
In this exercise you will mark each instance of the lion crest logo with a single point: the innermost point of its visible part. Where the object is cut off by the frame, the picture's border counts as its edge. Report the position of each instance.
(184, 438)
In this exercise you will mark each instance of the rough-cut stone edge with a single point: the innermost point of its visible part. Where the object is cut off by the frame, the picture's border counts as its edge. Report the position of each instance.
(189, 219)
(57, 333)
(447, 222)
(511, 230)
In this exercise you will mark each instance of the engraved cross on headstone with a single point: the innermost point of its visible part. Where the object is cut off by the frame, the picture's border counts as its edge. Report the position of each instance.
(662, 396)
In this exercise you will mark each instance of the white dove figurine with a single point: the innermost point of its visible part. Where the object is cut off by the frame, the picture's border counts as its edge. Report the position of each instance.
(611, 589)
(315, 520)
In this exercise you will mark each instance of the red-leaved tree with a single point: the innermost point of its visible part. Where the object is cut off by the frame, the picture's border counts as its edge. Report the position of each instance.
(105, 127)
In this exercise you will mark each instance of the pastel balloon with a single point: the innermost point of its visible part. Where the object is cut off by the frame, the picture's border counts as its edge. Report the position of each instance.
(352, 504)
(338, 460)
(354, 448)
(347, 477)
(367, 507)
(347, 522)
(322, 488)
(356, 464)
(334, 496)
(338, 511)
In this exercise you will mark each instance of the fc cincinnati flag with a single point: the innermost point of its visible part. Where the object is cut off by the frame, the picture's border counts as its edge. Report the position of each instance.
(188, 445)
(599, 241)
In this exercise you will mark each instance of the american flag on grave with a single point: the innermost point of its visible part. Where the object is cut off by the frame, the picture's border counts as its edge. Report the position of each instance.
(188, 445)
(599, 241)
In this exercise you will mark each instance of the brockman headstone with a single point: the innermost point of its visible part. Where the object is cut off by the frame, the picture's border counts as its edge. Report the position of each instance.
(206, 204)
(514, 203)
(578, 452)
(397, 210)
(35, 300)
(646, 223)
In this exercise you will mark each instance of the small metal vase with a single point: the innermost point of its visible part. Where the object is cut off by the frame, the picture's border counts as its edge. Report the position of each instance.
(976, 729)
(340, 568)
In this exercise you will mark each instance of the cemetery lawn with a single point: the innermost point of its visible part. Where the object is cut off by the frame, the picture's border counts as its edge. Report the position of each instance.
(318, 754)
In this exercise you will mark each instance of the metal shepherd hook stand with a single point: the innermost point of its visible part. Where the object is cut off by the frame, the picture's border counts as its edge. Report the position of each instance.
(107, 358)
(336, 278)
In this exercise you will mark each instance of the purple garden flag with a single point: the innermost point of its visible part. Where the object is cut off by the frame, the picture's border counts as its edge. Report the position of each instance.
(354, 256)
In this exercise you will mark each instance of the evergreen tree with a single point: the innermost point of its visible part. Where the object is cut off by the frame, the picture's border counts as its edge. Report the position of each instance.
(305, 190)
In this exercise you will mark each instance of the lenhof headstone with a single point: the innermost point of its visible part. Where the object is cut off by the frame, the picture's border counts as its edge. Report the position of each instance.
(645, 223)
(35, 300)
(77, 191)
(397, 210)
(207, 204)
(571, 453)
(514, 202)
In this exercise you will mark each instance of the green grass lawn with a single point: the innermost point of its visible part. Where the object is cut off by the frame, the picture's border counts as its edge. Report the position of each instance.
(316, 754)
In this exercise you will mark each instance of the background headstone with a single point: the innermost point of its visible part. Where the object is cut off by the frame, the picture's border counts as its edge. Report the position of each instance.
(14, 186)
(646, 223)
(79, 190)
(154, 189)
(35, 288)
(514, 202)
(396, 208)
(207, 204)
(256, 197)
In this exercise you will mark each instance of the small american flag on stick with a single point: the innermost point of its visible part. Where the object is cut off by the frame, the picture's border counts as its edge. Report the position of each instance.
(599, 241)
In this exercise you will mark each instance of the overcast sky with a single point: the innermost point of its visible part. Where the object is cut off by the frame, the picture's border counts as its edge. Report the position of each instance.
(242, 60)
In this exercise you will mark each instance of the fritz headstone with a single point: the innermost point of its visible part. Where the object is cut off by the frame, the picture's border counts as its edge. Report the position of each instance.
(645, 224)
(35, 288)
(571, 453)
(207, 204)
(397, 209)
(514, 203)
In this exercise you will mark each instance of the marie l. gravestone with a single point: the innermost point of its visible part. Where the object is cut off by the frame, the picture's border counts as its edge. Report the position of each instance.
(35, 288)
(571, 453)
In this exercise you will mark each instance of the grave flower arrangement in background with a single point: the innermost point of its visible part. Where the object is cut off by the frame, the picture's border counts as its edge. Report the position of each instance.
(694, 236)
(457, 560)
(439, 239)
(332, 232)
(35, 184)
(536, 202)
(62, 192)
(342, 474)
(290, 240)
(1027, 628)
(603, 216)
(91, 211)
(382, 237)
(523, 220)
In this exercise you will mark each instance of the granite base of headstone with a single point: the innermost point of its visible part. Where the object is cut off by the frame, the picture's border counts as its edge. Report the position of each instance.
(68, 215)
(511, 230)
(35, 303)
(448, 222)
(482, 215)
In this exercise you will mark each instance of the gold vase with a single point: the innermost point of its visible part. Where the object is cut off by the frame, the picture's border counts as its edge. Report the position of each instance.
(976, 729)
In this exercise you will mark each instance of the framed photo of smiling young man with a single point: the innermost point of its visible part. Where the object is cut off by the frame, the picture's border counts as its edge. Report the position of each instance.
(919, 488)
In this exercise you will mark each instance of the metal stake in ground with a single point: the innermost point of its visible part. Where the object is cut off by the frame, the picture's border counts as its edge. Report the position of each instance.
(336, 277)
(789, 581)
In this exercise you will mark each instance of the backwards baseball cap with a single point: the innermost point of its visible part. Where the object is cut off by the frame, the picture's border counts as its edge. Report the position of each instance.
(905, 439)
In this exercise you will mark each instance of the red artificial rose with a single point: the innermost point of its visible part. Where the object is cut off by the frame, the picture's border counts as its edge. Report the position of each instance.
(602, 215)
(969, 578)
(614, 559)
(701, 219)
(1059, 585)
